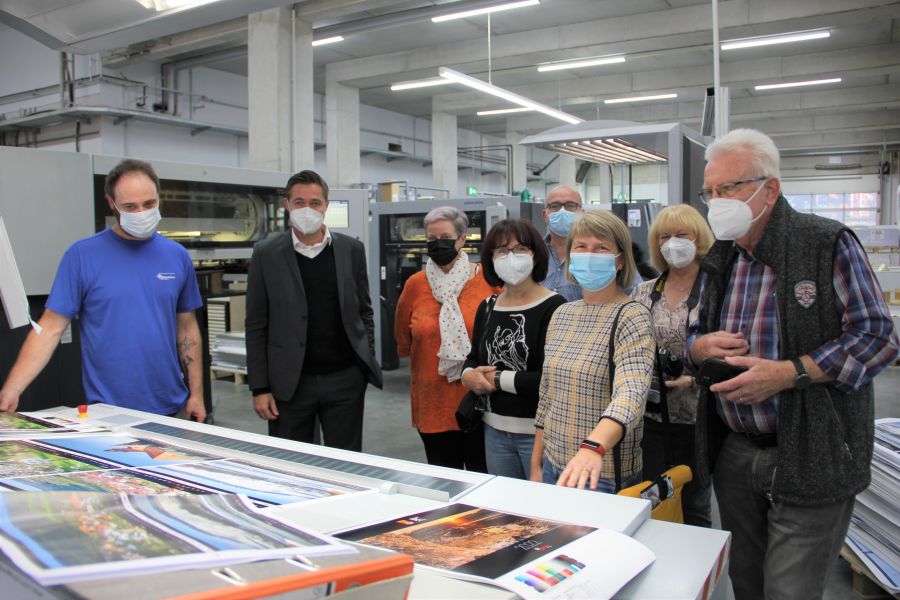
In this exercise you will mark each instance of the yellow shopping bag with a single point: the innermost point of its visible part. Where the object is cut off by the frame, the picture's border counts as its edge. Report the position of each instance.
(664, 493)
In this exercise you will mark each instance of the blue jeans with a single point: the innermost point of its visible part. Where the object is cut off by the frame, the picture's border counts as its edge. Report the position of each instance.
(508, 454)
(778, 550)
(551, 475)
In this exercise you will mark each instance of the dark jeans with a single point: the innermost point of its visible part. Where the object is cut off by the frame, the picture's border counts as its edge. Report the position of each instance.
(456, 449)
(778, 550)
(335, 398)
(695, 498)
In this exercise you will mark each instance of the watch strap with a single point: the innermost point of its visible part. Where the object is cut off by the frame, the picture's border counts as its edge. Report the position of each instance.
(593, 446)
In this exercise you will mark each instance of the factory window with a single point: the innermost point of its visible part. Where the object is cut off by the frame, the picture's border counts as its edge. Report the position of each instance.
(852, 209)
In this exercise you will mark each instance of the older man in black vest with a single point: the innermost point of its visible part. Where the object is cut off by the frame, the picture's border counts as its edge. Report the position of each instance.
(792, 299)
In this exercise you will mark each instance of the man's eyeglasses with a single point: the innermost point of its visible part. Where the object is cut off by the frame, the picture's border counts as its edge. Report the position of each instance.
(518, 250)
(569, 206)
(725, 189)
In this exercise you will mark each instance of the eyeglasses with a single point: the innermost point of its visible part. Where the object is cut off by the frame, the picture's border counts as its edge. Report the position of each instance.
(725, 189)
(518, 250)
(569, 206)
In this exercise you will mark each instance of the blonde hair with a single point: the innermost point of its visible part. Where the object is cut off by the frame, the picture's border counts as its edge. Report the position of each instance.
(671, 218)
(602, 224)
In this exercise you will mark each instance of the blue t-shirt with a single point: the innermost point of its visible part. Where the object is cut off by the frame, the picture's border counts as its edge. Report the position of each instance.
(126, 294)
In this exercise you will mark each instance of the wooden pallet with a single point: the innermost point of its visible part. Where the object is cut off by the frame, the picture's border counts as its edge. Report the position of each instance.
(239, 378)
(865, 585)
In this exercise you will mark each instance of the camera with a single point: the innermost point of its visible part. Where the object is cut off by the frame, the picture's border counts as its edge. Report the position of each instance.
(671, 367)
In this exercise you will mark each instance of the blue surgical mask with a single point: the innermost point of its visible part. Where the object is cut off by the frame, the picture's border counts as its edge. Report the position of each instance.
(593, 271)
(561, 222)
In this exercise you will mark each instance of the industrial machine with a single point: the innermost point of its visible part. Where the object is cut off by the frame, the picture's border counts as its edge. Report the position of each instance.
(398, 250)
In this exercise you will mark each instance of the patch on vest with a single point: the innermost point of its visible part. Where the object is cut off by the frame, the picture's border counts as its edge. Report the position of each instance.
(805, 293)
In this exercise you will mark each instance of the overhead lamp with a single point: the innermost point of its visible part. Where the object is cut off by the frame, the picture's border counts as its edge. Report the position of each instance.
(161, 5)
(578, 64)
(503, 111)
(483, 11)
(777, 86)
(768, 40)
(329, 40)
(640, 98)
(419, 83)
(493, 90)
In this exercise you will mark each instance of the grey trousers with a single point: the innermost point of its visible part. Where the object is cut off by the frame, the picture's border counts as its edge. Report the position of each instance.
(778, 550)
(337, 400)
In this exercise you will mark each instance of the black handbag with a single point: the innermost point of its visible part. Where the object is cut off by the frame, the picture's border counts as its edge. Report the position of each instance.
(471, 408)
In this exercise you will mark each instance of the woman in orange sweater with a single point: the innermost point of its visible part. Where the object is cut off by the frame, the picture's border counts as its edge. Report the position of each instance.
(435, 315)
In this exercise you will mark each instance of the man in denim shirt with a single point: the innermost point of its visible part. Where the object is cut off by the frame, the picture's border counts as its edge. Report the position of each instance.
(562, 208)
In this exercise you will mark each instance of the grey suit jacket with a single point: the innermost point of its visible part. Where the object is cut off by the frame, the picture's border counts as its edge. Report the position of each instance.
(277, 313)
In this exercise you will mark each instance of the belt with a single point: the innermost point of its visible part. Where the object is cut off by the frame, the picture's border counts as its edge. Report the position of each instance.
(762, 440)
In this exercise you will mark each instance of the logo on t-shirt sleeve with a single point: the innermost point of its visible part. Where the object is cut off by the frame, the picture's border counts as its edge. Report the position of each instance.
(165, 276)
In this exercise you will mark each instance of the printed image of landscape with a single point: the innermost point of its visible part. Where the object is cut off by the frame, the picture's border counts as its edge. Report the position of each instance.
(21, 459)
(16, 421)
(456, 540)
(115, 481)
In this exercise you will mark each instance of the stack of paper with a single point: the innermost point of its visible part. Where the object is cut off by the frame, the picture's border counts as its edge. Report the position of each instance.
(874, 533)
(229, 351)
(25, 426)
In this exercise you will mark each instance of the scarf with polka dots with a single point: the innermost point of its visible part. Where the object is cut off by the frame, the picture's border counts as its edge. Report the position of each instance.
(455, 343)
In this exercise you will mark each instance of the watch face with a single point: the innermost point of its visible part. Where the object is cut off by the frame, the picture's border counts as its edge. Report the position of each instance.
(802, 381)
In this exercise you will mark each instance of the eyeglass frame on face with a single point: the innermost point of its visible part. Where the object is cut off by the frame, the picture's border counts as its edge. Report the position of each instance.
(518, 250)
(726, 189)
(443, 236)
(569, 205)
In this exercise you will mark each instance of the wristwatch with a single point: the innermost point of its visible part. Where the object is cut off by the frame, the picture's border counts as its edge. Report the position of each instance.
(497, 380)
(593, 446)
(802, 381)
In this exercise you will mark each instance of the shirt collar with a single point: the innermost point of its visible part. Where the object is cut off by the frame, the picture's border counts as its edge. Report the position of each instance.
(298, 245)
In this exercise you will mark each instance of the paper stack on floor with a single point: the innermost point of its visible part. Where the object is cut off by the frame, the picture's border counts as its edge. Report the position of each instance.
(874, 534)
(229, 351)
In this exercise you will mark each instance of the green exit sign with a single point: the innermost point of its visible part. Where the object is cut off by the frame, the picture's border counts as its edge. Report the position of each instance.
(472, 190)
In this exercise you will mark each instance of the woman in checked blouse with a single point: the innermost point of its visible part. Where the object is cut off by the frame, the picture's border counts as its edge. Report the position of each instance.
(581, 419)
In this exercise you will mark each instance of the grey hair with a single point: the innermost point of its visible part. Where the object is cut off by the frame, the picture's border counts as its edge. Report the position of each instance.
(448, 213)
(766, 159)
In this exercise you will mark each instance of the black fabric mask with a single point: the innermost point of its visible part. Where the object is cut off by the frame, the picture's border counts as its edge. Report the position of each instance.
(442, 252)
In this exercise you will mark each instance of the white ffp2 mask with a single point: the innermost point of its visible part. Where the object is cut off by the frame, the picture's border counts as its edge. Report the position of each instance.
(731, 218)
(307, 220)
(514, 268)
(679, 252)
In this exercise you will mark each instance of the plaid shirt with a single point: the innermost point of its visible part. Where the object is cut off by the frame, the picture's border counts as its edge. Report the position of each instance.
(575, 391)
(867, 345)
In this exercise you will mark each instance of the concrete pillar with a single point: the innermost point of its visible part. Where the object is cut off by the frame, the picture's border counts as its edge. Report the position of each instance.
(279, 76)
(304, 120)
(268, 80)
(518, 170)
(341, 132)
(444, 163)
(566, 170)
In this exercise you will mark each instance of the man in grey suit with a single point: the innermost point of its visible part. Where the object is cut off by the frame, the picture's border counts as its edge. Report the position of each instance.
(310, 326)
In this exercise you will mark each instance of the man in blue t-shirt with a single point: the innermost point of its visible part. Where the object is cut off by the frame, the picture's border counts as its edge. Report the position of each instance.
(134, 293)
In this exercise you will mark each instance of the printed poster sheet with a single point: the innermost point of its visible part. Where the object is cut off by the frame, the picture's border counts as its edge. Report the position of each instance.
(534, 558)
(124, 464)
(23, 425)
(62, 537)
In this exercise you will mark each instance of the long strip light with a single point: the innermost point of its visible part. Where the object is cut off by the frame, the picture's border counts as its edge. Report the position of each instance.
(503, 111)
(483, 11)
(329, 40)
(161, 5)
(579, 64)
(778, 86)
(640, 98)
(487, 88)
(768, 40)
(419, 83)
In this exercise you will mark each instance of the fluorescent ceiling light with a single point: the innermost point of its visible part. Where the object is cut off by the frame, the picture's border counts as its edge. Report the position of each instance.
(503, 111)
(777, 86)
(499, 92)
(329, 40)
(161, 5)
(578, 64)
(419, 83)
(768, 40)
(483, 11)
(640, 98)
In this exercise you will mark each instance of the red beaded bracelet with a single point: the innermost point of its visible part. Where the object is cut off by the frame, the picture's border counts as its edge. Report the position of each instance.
(593, 446)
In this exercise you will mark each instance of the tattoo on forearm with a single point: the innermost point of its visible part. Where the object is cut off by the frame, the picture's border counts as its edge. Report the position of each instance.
(185, 346)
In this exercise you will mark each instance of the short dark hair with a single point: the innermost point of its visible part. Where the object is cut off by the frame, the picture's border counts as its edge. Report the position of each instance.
(306, 177)
(129, 165)
(527, 235)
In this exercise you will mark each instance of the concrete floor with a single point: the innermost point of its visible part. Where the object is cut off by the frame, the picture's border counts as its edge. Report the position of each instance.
(387, 432)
